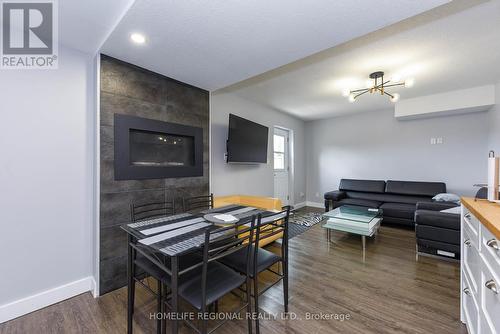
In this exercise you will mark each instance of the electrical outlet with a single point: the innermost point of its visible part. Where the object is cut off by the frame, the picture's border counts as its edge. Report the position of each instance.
(317, 194)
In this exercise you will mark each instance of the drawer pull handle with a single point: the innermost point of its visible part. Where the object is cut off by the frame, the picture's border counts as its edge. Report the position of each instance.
(467, 291)
(493, 244)
(467, 217)
(467, 242)
(492, 286)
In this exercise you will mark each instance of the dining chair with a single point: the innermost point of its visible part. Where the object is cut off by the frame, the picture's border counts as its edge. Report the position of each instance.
(142, 265)
(198, 203)
(151, 210)
(267, 226)
(211, 280)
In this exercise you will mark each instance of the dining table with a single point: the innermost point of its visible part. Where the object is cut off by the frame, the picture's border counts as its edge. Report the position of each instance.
(172, 236)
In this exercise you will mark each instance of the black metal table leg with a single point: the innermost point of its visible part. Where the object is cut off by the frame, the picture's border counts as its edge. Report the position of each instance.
(175, 298)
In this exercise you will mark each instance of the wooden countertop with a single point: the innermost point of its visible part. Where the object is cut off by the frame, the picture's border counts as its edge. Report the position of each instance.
(488, 213)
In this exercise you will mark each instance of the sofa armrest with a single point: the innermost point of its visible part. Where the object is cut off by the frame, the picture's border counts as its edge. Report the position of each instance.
(435, 206)
(333, 196)
(336, 195)
(437, 219)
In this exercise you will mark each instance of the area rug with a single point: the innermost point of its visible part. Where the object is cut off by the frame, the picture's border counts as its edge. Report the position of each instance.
(301, 222)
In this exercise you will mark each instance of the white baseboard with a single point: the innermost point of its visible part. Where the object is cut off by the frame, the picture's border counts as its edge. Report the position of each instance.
(43, 299)
(315, 204)
(299, 205)
(93, 287)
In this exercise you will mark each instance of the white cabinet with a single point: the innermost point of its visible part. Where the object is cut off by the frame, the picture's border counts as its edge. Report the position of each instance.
(480, 277)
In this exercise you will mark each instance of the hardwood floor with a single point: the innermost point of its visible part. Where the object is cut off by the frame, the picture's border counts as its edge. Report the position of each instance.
(389, 293)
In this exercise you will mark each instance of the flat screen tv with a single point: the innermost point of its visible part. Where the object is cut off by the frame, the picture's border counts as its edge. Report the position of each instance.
(247, 141)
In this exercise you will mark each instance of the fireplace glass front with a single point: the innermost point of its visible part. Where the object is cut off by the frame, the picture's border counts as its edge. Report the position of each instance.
(158, 149)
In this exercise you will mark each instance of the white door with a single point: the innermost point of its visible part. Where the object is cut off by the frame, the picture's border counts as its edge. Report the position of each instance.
(281, 165)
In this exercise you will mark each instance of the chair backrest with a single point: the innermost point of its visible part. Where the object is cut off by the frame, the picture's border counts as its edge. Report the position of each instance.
(223, 241)
(151, 210)
(198, 203)
(269, 226)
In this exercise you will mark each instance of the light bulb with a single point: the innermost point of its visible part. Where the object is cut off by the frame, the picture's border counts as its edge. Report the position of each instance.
(138, 38)
(346, 92)
(395, 98)
(409, 82)
(352, 98)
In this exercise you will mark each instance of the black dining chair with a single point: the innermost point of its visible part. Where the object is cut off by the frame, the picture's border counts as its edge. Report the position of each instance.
(198, 203)
(138, 213)
(267, 226)
(211, 280)
(151, 210)
(142, 265)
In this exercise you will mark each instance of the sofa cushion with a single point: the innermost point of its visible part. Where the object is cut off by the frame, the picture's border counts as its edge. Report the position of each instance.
(415, 188)
(437, 219)
(398, 221)
(358, 202)
(435, 206)
(438, 234)
(398, 210)
(370, 186)
(389, 198)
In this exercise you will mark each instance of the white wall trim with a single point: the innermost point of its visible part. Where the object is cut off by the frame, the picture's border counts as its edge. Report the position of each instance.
(43, 299)
(299, 205)
(97, 176)
(94, 288)
(315, 204)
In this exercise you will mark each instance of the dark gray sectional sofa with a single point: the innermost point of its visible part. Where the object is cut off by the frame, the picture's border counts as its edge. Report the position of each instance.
(397, 199)
(437, 231)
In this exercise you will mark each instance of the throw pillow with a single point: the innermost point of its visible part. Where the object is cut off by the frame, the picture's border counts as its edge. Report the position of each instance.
(446, 197)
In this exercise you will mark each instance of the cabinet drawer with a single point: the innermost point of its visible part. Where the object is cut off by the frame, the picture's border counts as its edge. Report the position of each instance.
(471, 310)
(468, 289)
(472, 262)
(489, 245)
(490, 300)
(472, 228)
(472, 221)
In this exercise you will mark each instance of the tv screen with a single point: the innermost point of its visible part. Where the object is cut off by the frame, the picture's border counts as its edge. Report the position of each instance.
(247, 141)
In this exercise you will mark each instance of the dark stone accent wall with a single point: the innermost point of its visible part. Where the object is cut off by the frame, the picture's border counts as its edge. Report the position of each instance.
(128, 89)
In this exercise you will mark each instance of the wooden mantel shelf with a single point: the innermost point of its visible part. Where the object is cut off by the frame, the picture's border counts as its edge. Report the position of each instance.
(488, 213)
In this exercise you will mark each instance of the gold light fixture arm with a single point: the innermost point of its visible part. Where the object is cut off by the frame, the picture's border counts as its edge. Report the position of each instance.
(377, 87)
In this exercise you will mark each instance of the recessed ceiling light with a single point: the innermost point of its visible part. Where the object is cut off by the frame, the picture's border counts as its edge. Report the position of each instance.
(138, 38)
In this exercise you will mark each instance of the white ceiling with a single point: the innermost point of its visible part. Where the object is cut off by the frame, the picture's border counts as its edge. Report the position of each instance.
(216, 43)
(451, 47)
(85, 24)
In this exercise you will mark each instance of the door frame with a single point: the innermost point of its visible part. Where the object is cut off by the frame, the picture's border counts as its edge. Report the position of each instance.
(291, 162)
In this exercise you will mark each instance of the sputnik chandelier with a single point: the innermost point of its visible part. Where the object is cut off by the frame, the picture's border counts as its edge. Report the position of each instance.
(379, 85)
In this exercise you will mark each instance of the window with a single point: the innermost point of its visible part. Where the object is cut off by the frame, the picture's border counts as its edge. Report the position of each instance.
(279, 152)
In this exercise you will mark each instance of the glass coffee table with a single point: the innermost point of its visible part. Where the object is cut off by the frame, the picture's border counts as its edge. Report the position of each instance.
(353, 219)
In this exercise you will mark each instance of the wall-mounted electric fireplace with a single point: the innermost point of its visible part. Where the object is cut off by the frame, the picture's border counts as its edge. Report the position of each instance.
(150, 149)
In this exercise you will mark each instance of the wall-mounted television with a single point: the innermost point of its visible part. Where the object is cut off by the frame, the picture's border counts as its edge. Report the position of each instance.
(247, 141)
